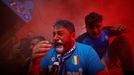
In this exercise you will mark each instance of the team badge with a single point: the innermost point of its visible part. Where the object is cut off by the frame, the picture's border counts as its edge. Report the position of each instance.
(53, 59)
(75, 59)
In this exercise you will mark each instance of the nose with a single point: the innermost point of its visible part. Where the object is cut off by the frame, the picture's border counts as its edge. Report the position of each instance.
(55, 37)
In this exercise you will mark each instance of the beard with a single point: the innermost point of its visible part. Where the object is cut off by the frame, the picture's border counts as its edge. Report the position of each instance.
(60, 49)
(59, 46)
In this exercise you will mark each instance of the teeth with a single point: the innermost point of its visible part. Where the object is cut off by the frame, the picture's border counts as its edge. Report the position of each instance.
(59, 49)
(59, 41)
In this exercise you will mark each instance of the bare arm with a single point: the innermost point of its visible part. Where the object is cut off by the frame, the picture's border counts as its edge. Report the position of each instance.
(38, 52)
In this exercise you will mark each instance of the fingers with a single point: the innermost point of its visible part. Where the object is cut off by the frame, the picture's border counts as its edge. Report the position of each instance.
(42, 45)
(41, 48)
(39, 55)
(119, 27)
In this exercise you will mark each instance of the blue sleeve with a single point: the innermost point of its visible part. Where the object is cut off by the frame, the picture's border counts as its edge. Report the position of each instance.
(46, 60)
(105, 31)
(94, 63)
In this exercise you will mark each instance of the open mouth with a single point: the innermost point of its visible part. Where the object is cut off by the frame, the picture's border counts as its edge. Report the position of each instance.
(59, 46)
(58, 43)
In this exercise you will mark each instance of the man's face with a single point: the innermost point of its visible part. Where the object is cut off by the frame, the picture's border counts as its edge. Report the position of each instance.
(62, 39)
(95, 30)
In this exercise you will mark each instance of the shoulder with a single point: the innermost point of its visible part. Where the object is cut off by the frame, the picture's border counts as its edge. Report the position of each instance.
(50, 52)
(84, 48)
(105, 31)
(47, 59)
(81, 37)
(49, 55)
(81, 45)
(104, 34)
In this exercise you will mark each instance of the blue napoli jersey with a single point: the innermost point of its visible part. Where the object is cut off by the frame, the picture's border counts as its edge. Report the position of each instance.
(100, 45)
(83, 61)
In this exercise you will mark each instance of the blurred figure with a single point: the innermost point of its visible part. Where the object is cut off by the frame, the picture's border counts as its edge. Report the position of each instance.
(25, 44)
(36, 40)
(26, 50)
(11, 64)
(98, 36)
(22, 54)
(120, 55)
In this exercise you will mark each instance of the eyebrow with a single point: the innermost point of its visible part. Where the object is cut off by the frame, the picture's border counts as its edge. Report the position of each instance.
(57, 31)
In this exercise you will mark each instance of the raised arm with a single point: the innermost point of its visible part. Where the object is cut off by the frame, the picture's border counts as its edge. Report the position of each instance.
(115, 30)
(38, 52)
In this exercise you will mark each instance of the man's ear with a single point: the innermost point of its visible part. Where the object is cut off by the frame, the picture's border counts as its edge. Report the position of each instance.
(73, 35)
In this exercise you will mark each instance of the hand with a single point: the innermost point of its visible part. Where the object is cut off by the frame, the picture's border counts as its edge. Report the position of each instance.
(40, 50)
(119, 28)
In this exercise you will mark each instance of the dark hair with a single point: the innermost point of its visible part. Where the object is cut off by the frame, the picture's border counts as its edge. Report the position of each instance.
(40, 38)
(93, 18)
(66, 24)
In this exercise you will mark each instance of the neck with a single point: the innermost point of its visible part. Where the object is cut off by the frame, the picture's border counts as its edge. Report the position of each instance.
(93, 37)
(68, 47)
